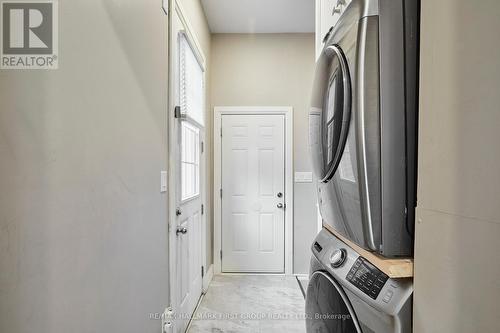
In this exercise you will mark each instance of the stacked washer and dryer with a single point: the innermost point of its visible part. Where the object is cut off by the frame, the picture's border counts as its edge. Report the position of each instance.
(363, 135)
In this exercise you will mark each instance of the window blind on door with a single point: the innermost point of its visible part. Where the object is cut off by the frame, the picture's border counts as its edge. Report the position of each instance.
(191, 83)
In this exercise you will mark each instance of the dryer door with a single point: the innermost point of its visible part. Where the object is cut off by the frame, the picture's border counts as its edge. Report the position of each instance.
(330, 112)
(350, 198)
(327, 307)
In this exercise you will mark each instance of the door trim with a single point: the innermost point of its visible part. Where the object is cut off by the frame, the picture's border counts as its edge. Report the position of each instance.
(287, 112)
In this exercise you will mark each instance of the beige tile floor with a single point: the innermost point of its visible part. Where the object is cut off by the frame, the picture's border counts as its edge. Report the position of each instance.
(251, 304)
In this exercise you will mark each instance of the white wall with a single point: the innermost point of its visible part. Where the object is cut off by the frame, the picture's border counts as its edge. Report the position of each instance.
(273, 70)
(83, 227)
(457, 272)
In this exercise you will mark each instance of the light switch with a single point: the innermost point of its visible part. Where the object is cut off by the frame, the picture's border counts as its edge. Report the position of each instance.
(303, 177)
(163, 181)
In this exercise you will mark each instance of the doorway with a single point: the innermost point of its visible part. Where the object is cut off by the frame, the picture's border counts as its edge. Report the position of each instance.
(253, 189)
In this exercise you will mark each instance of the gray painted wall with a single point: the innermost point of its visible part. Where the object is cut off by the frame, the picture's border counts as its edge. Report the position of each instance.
(273, 70)
(83, 227)
(457, 273)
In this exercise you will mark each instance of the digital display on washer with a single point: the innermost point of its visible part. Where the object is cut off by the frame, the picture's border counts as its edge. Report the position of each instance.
(366, 277)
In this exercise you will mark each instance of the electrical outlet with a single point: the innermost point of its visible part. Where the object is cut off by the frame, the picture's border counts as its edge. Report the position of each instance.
(166, 321)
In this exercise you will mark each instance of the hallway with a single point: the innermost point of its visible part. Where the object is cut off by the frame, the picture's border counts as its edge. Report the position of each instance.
(251, 304)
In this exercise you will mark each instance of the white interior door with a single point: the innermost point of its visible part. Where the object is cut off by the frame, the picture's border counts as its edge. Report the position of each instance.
(253, 198)
(187, 174)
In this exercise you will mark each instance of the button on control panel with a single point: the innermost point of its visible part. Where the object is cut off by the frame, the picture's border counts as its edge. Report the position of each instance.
(367, 278)
(317, 247)
(388, 296)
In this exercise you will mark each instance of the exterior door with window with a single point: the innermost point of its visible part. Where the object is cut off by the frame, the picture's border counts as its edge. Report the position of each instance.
(187, 174)
(189, 217)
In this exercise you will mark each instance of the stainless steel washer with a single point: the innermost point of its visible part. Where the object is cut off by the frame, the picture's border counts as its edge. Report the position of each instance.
(346, 293)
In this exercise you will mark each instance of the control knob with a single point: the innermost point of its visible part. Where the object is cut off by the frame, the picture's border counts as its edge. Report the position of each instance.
(338, 257)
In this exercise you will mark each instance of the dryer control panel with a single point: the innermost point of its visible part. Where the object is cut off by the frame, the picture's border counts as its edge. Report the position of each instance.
(366, 277)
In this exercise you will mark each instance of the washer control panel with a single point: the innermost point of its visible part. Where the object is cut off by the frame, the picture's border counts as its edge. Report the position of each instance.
(366, 277)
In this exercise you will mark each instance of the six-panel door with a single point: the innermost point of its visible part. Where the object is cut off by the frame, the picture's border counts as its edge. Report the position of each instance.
(253, 197)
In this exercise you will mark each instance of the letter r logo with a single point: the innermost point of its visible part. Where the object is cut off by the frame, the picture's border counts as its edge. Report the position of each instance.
(27, 27)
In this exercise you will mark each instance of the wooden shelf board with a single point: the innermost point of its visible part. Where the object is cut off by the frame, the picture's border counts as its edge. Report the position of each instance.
(394, 268)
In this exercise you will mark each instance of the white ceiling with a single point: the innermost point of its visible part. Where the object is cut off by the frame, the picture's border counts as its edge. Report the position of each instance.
(259, 16)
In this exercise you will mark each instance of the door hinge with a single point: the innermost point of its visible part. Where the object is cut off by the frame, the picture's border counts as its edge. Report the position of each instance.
(202, 147)
(202, 209)
(220, 192)
(177, 111)
(202, 271)
(220, 254)
(221, 132)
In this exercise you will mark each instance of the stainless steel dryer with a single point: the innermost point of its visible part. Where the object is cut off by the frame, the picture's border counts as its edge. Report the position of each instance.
(363, 125)
(347, 294)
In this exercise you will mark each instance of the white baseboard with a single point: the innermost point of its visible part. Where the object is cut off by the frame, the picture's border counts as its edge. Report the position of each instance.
(208, 278)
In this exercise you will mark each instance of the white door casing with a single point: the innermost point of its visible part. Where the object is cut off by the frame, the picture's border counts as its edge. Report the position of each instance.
(186, 253)
(253, 186)
(264, 131)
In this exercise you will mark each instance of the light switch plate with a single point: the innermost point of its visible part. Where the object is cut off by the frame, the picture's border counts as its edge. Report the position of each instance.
(303, 177)
(163, 181)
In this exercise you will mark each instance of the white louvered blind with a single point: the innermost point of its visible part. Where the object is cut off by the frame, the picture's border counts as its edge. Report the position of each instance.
(191, 83)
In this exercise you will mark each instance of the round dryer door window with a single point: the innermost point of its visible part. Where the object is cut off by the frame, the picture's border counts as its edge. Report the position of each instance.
(327, 307)
(330, 112)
